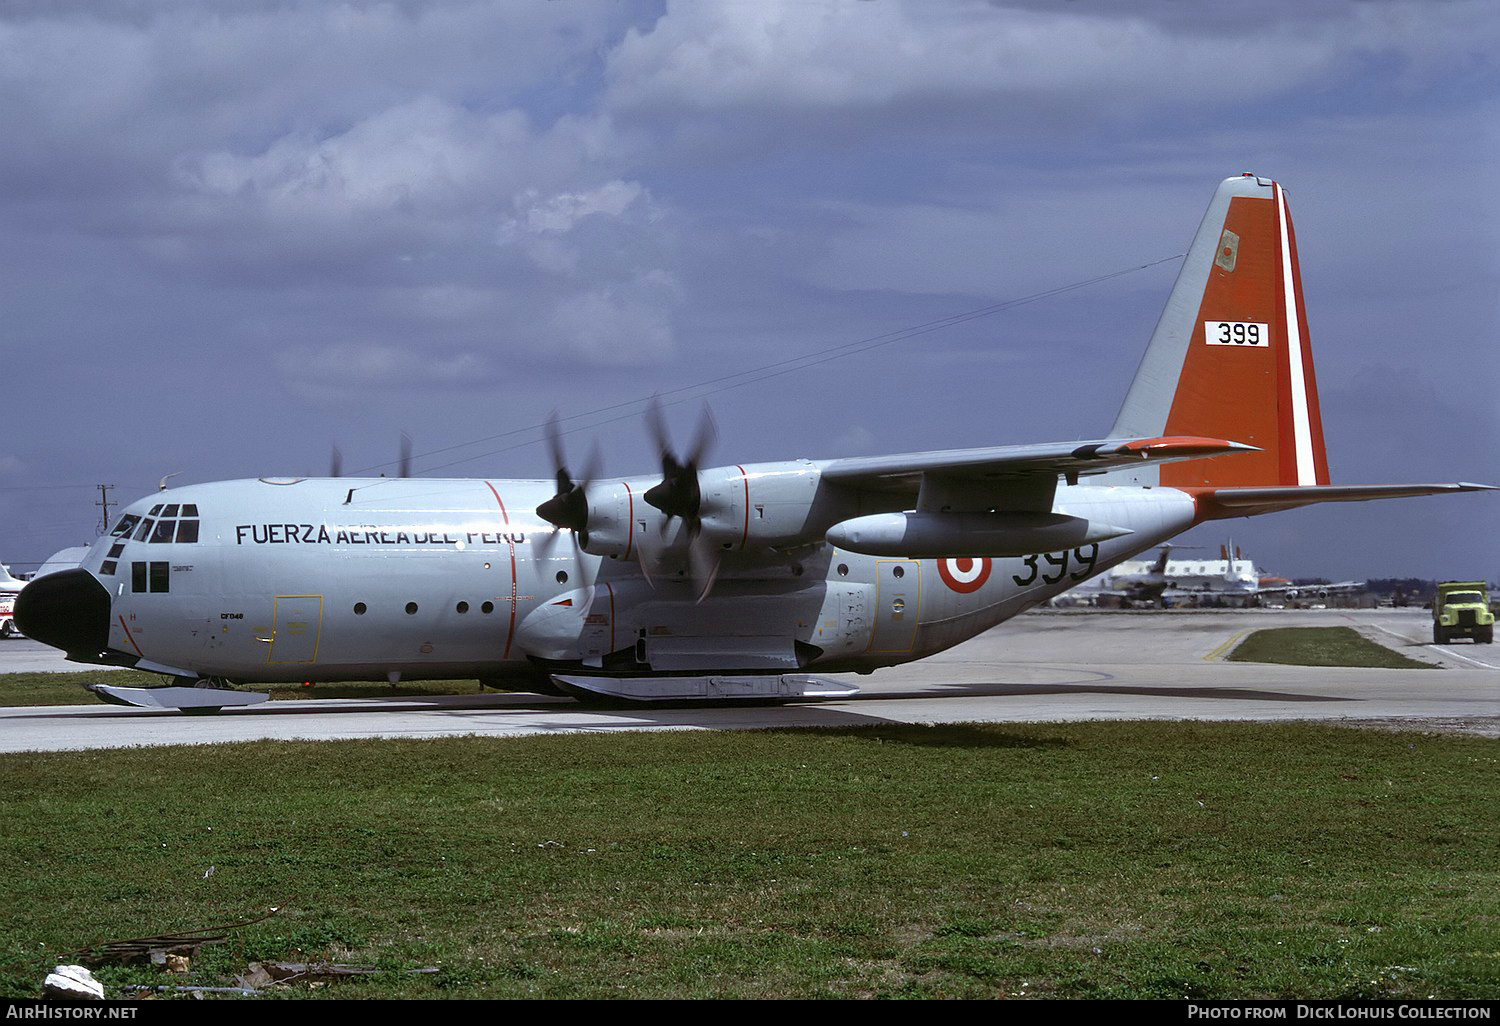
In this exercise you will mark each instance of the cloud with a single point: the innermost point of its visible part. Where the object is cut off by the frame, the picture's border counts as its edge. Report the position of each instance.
(838, 56)
(359, 365)
(450, 221)
(422, 158)
(999, 243)
(554, 215)
(542, 222)
(624, 325)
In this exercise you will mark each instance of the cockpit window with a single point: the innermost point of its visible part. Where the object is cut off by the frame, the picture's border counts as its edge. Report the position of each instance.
(169, 529)
(160, 531)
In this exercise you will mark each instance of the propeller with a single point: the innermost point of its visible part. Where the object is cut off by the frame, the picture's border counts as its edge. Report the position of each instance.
(405, 464)
(678, 494)
(702, 562)
(568, 510)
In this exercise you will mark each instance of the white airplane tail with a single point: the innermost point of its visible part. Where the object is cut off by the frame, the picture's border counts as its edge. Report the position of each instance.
(1230, 356)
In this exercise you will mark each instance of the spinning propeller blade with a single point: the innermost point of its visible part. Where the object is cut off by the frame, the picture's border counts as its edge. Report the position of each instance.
(679, 494)
(569, 508)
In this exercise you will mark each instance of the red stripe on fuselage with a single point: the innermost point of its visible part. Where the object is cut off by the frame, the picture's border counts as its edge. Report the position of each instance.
(514, 593)
(745, 536)
(131, 638)
(630, 519)
(611, 588)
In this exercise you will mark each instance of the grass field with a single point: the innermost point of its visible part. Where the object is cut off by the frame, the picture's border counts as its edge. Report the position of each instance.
(1320, 646)
(1087, 860)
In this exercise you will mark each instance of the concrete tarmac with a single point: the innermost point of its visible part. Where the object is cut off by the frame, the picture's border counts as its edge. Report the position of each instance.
(1045, 666)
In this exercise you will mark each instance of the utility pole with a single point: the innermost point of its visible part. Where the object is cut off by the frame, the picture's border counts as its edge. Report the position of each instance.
(104, 503)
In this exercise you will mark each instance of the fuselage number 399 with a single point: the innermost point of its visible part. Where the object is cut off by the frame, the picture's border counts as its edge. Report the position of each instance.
(1083, 558)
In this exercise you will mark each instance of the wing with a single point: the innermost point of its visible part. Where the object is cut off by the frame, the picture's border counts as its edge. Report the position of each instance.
(1315, 589)
(1024, 477)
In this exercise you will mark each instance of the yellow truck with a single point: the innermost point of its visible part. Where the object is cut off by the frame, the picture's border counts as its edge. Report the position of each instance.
(1461, 609)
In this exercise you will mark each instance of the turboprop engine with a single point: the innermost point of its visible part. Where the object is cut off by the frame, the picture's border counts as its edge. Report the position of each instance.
(735, 509)
(691, 517)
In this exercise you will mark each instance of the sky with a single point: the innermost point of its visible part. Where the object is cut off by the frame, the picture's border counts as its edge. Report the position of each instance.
(236, 236)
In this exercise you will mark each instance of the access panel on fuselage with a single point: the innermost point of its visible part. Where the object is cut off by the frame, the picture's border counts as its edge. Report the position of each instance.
(297, 627)
(898, 588)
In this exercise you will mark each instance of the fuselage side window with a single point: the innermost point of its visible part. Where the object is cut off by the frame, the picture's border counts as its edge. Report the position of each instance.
(187, 531)
(161, 577)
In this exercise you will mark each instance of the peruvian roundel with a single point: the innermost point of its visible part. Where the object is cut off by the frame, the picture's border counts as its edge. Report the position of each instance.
(965, 574)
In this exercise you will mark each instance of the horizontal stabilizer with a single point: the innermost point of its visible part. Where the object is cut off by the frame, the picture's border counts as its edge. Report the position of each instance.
(1220, 503)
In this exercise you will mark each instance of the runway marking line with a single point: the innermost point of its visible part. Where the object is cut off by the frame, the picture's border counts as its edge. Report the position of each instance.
(1218, 653)
(1445, 650)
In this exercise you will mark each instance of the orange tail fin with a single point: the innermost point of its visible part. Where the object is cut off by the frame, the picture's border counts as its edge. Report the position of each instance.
(1230, 356)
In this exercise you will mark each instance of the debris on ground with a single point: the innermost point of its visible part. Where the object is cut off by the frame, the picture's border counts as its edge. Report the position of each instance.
(162, 948)
(73, 983)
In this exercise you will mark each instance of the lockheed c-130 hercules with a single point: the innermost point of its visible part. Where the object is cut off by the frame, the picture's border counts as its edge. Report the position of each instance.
(735, 582)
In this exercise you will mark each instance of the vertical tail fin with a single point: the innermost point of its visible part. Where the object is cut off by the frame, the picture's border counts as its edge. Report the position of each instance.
(1230, 356)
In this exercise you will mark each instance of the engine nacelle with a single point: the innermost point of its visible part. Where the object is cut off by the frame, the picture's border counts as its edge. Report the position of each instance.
(952, 535)
(618, 515)
(740, 508)
(759, 506)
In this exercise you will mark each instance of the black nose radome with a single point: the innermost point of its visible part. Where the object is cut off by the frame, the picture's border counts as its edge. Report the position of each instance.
(67, 610)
